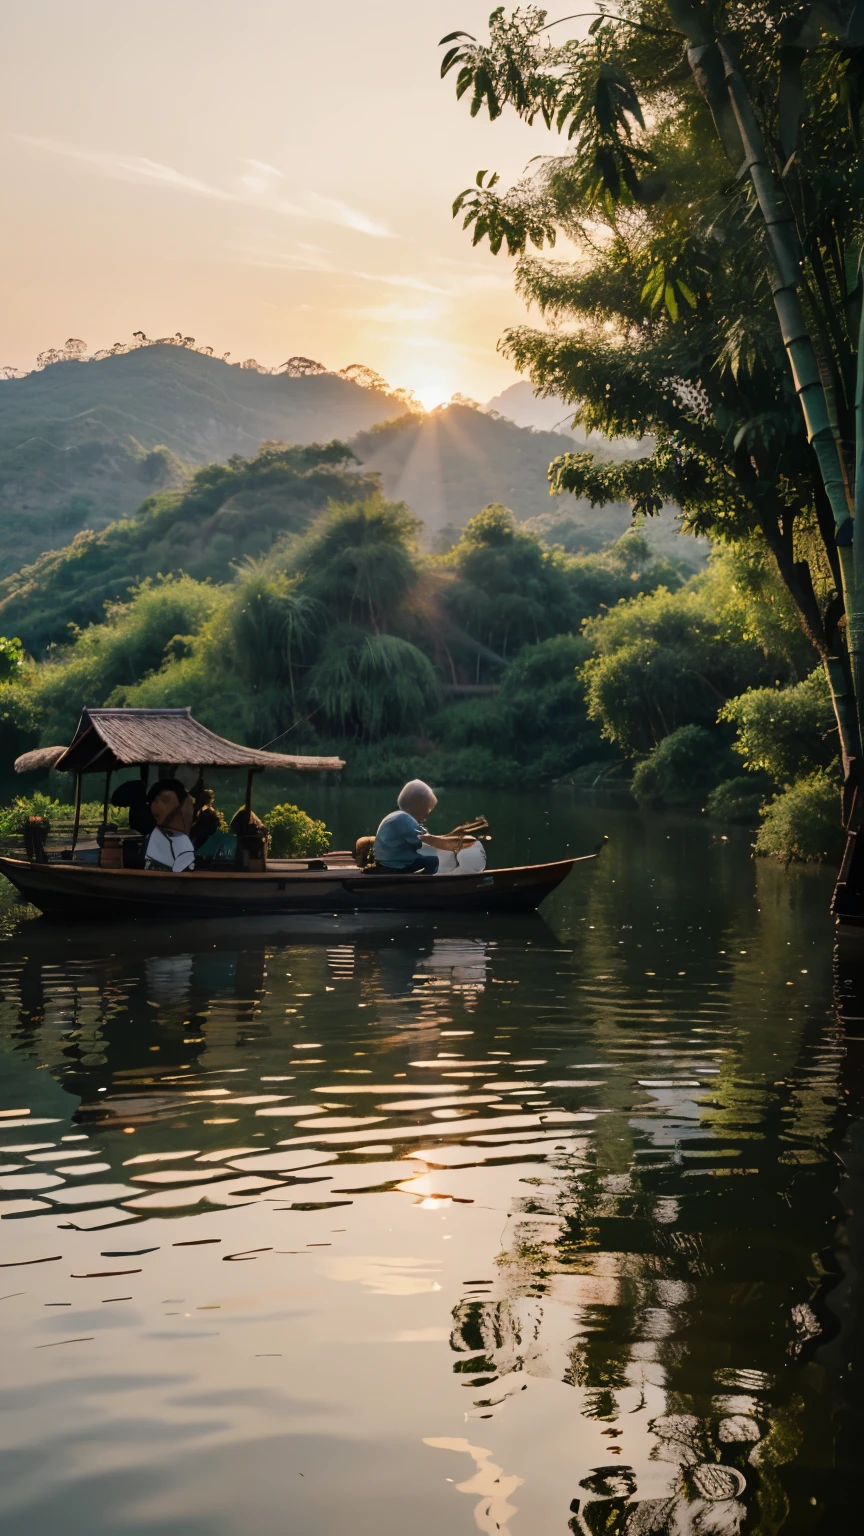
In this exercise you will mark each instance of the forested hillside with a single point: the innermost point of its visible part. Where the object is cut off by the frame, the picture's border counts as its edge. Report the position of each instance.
(502, 661)
(227, 513)
(84, 442)
(347, 632)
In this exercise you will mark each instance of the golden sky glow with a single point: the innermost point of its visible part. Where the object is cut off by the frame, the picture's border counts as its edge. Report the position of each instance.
(270, 176)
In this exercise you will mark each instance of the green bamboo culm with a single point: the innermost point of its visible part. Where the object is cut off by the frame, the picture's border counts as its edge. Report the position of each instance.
(785, 253)
(722, 86)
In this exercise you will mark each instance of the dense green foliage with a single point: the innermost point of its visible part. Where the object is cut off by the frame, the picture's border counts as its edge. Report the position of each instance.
(293, 834)
(344, 636)
(671, 659)
(15, 815)
(739, 800)
(801, 823)
(681, 770)
(536, 727)
(227, 512)
(104, 658)
(11, 658)
(508, 590)
(670, 325)
(787, 731)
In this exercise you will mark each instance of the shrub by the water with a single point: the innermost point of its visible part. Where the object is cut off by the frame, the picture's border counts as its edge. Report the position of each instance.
(13, 817)
(785, 731)
(681, 769)
(739, 800)
(293, 834)
(802, 824)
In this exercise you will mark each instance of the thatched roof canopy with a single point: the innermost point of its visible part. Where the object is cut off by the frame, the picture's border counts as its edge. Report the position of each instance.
(43, 757)
(123, 738)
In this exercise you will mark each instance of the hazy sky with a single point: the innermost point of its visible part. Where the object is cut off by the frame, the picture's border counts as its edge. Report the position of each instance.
(269, 176)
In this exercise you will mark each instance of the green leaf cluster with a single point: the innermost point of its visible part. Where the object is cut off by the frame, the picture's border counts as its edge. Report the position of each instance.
(664, 326)
(294, 835)
(785, 732)
(801, 824)
(672, 659)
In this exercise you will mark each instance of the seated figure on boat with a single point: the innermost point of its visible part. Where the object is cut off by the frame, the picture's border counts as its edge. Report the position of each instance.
(132, 794)
(207, 819)
(169, 846)
(402, 836)
(250, 835)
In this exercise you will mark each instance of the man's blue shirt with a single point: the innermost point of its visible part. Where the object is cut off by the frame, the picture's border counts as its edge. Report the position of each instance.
(397, 841)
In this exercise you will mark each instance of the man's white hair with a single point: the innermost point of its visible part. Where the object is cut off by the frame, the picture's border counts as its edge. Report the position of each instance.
(417, 796)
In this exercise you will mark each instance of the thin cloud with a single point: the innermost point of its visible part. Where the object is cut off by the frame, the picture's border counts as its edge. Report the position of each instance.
(352, 218)
(261, 178)
(400, 314)
(299, 259)
(128, 168)
(258, 190)
(262, 165)
(302, 256)
(401, 280)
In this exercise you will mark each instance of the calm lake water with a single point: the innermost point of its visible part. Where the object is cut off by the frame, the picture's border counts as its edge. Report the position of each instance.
(527, 1226)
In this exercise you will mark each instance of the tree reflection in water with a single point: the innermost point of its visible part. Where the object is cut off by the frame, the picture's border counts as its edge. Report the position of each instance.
(637, 1119)
(672, 1292)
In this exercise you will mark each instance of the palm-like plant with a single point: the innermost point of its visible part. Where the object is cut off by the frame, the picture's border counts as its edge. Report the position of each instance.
(508, 590)
(358, 560)
(366, 686)
(269, 625)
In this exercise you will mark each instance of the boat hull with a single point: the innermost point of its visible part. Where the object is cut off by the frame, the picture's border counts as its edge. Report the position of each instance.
(81, 891)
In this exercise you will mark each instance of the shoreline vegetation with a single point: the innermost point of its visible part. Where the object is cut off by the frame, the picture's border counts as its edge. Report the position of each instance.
(506, 660)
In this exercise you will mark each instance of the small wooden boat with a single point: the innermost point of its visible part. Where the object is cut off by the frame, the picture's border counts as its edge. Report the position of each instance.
(61, 884)
(84, 891)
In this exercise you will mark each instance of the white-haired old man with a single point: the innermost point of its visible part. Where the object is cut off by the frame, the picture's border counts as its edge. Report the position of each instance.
(402, 836)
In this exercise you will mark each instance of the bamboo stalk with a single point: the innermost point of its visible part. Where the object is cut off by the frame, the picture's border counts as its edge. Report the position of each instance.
(785, 253)
(722, 86)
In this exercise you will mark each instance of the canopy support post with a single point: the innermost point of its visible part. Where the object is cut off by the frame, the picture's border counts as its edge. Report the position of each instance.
(198, 788)
(107, 793)
(77, 822)
(247, 809)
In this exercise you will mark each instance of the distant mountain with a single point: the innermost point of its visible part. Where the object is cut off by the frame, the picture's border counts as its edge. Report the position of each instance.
(82, 443)
(520, 404)
(566, 521)
(451, 463)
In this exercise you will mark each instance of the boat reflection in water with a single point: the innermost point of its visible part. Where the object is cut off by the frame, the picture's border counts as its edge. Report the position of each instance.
(389, 1224)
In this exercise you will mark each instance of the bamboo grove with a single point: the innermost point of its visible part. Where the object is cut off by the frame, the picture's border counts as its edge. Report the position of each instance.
(709, 187)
